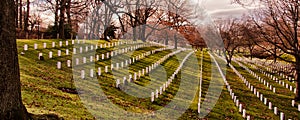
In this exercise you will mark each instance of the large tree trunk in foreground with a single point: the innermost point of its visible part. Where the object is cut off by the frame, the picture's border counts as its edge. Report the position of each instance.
(11, 107)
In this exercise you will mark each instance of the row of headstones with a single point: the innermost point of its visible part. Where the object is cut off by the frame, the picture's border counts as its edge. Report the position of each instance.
(200, 83)
(136, 76)
(265, 83)
(108, 54)
(145, 70)
(286, 85)
(155, 94)
(259, 95)
(235, 99)
(277, 69)
(269, 75)
(84, 60)
(105, 45)
(270, 86)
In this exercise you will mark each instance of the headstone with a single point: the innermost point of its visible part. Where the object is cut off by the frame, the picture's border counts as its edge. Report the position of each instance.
(69, 63)
(45, 45)
(281, 116)
(99, 71)
(91, 58)
(86, 48)
(53, 44)
(82, 74)
(118, 83)
(25, 47)
(58, 65)
(50, 54)
(84, 60)
(97, 57)
(106, 69)
(59, 53)
(74, 50)
(60, 43)
(244, 113)
(91, 73)
(248, 117)
(275, 110)
(67, 43)
(77, 61)
(270, 105)
(41, 56)
(152, 96)
(35, 46)
(67, 51)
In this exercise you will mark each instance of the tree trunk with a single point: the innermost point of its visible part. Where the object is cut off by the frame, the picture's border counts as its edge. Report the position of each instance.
(68, 7)
(17, 13)
(20, 15)
(62, 19)
(11, 107)
(56, 19)
(26, 25)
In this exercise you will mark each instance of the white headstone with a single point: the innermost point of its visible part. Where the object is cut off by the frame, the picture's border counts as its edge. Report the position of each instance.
(91, 73)
(25, 47)
(60, 43)
(99, 71)
(84, 60)
(244, 113)
(69, 63)
(106, 69)
(59, 53)
(53, 44)
(35, 46)
(152, 96)
(117, 83)
(91, 58)
(77, 61)
(40, 55)
(82, 74)
(58, 65)
(50, 54)
(74, 50)
(67, 51)
(281, 116)
(45, 45)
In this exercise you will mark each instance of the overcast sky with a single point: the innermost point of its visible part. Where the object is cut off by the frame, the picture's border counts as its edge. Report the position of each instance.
(216, 8)
(223, 8)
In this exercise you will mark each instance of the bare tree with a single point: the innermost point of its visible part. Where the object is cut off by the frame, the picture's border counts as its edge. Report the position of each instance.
(278, 24)
(231, 35)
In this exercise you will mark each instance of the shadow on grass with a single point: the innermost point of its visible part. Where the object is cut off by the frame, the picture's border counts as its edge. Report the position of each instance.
(45, 117)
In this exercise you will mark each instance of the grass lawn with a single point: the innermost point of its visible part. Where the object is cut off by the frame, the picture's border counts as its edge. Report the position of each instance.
(42, 85)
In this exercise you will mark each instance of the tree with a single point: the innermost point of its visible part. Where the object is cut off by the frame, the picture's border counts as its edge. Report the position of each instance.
(278, 25)
(232, 37)
(11, 107)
